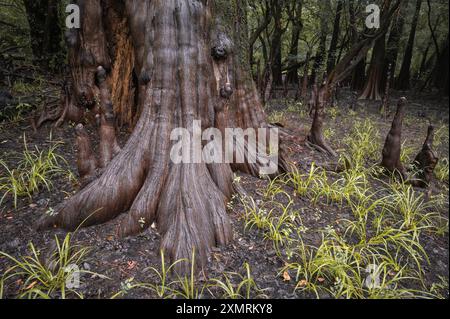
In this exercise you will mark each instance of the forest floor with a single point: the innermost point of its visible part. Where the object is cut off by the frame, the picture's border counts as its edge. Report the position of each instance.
(275, 258)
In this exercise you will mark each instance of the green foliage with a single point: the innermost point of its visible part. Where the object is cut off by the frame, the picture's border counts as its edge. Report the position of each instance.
(407, 153)
(333, 112)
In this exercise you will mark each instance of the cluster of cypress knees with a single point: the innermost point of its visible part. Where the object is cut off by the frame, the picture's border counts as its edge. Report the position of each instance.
(88, 165)
(424, 163)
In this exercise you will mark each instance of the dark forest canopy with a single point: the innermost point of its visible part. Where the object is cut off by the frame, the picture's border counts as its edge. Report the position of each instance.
(283, 34)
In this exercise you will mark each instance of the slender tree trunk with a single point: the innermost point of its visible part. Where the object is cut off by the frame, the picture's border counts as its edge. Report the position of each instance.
(404, 77)
(292, 76)
(392, 46)
(359, 73)
(321, 96)
(440, 71)
(45, 31)
(192, 62)
(276, 44)
(321, 50)
(331, 62)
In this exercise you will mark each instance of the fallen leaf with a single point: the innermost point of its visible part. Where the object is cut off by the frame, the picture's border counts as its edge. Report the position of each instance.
(31, 286)
(302, 283)
(392, 273)
(320, 279)
(131, 265)
(286, 276)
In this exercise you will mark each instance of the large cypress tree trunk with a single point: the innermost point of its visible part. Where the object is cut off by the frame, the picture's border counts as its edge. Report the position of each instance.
(191, 61)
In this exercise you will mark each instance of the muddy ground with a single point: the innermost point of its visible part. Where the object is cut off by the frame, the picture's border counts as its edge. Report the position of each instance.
(122, 259)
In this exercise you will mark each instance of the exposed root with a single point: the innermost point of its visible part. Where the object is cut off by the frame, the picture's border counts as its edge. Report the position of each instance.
(111, 194)
(186, 220)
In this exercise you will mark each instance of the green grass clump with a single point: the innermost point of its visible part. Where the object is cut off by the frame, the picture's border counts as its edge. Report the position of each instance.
(362, 144)
(375, 253)
(441, 171)
(171, 285)
(277, 117)
(237, 286)
(34, 170)
(46, 279)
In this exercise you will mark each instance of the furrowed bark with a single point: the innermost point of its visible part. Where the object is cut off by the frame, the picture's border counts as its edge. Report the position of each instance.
(109, 147)
(86, 160)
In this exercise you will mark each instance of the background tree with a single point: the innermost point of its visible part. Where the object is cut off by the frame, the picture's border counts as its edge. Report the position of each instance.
(45, 30)
(331, 61)
(403, 81)
(295, 16)
(392, 46)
